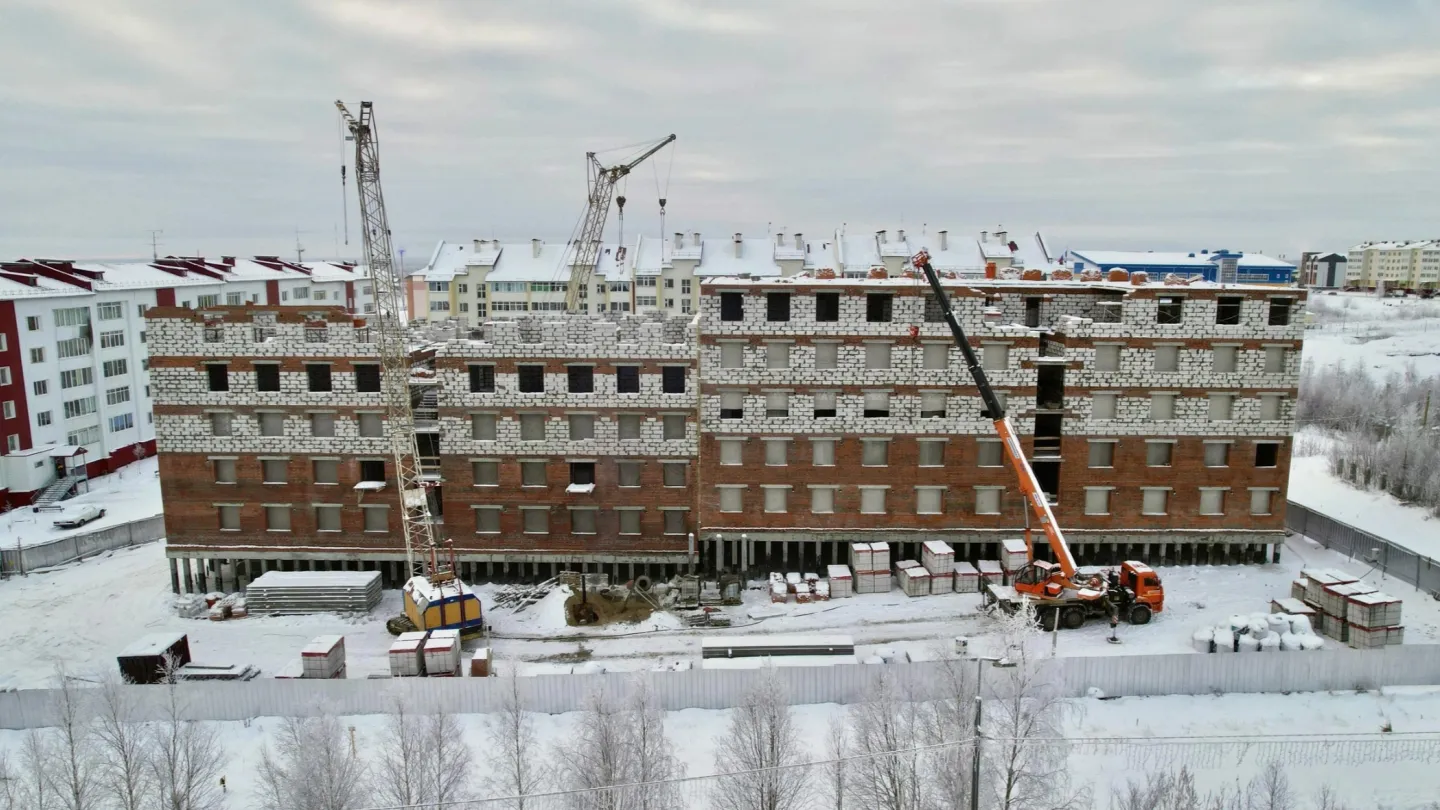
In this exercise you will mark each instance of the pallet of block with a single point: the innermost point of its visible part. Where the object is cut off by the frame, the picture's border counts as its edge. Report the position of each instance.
(913, 578)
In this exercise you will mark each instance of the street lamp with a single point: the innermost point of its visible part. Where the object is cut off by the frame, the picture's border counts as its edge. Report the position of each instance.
(975, 754)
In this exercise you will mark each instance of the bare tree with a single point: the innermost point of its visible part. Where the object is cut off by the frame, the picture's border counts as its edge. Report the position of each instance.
(517, 772)
(761, 759)
(398, 762)
(654, 757)
(1325, 799)
(1159, 791)
(889, 727)
(184, 755)
(1270, 790)
(33, 787)
(310, 765)
(597, 755)
(75, 771)
(950, 728)
(448, 759)
(124, 770)
(838, 748)
(10, 791)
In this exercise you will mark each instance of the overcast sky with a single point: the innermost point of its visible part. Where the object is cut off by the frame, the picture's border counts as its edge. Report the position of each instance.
(1274, 126)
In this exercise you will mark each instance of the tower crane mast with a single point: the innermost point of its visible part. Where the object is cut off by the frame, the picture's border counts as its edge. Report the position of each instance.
(602, 180)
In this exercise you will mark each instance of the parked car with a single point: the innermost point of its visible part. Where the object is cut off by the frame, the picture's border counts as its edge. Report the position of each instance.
(85, 515)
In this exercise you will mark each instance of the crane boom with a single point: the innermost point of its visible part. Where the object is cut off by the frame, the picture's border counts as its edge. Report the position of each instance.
(1035, 499)
(597, 209)
(389, 334)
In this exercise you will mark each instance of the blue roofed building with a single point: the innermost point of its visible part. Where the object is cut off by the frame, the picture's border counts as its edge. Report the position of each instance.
(1251, 268)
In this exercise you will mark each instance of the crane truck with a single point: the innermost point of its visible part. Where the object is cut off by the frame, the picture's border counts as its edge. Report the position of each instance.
(1062, 597)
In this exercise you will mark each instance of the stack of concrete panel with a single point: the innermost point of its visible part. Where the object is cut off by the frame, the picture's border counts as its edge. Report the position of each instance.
(407, 659)
(323, 657)
(295, 592)
(841, 583)
(967, 579)
(913, 578)
(442, 654)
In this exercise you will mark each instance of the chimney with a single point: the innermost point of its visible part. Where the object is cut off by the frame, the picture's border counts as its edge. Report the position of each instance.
(900, 235)
(495, 243)
(695, 236)
(779, 240)
(1000, 236)
(799, 242)
(679, 240)
(479, 245)
(535, 248)
(737, 245)
(228, 260)
(880, 234)
(944, 240)
(984, 236)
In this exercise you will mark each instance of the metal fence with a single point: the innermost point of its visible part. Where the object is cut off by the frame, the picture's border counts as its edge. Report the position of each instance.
(78, 546)
(1120, 675)
(1388, 557)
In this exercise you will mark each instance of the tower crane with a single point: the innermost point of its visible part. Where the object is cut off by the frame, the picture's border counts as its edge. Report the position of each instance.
(436, 598)
(1059, 593)
(601, 181)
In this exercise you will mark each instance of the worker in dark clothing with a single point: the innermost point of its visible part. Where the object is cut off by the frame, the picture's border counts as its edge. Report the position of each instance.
(1114, 624)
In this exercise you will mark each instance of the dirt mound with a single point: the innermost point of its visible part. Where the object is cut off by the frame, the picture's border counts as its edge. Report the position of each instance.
(600, 608)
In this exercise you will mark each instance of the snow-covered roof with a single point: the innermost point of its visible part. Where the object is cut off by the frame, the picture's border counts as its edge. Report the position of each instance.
(446, 262)
(717, 258)
(652, 255)
(1198, 259)
(856, 252)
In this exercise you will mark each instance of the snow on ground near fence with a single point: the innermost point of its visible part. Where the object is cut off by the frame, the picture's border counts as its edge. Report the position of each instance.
(1380, 513)
(1366, 772)
(1383, 335)
(130, 493)
(85, 613)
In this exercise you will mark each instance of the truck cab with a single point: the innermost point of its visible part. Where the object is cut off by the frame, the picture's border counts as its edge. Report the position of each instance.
(1142, 581)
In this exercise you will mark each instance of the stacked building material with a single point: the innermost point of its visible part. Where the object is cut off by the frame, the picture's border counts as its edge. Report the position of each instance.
(295, 592)
(880, 556)
(802, 593)
(872, 582)
(407, 659)
(442, 654)
(323, 657)
(1297, 588)
(861, 557)
(939, 559)
(875, 578)
(821, 590)
(480, 663)
(841, 583)
(1317, 579)
(967, 579)
(991, 573)
(913, 578)
(792, 581)
(1373, 620)
(1014, 554)
(1293, 607)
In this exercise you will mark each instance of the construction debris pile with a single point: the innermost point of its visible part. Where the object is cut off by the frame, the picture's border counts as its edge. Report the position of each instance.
(807, 588)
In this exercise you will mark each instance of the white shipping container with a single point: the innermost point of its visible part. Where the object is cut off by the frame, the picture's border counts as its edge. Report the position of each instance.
(860, 557)
(967, 579)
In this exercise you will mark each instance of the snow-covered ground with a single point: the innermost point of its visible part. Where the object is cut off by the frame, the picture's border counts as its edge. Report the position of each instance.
(87, 612)
(1380, 513)
(128, 494)
(1383, 335)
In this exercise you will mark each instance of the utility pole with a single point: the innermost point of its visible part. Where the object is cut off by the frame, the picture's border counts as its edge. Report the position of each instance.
(299, 248)
(975, 753)
(155, 244)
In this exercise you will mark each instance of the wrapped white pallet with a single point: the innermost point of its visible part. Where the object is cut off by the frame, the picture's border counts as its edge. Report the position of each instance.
(1373, 609)
(967, 579)
(937, 557)
(1300, 626)
(1270, 643)
(1312, 642)
(914, 580)
(1238, 622)
(943, 582)
(1014, 554)
(1257, 627)
(1278, 622)
(1290, 641)
(1203, 640)
(861, 558)
(1247, 643)
(1224, 640)
(841, 582)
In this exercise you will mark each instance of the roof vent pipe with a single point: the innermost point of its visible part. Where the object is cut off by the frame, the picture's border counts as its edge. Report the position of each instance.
(696, 237)
(737, 245)
(779, 240)
(901, 235)
(944, 240)
(881, 234)
(984, 236)
(679, 240)
(799, 242)
(535, 248)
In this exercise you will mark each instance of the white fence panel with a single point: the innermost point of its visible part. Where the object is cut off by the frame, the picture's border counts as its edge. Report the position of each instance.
(78, 546)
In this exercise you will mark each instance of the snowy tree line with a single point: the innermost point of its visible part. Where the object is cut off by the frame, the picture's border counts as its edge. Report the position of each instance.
(1269, 790)
(1384, 437)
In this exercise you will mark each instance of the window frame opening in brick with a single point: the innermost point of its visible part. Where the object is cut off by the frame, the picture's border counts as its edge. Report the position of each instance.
(934, 356)
(581, 426)
(270, 423)
(777, 452)
(930, 452)
(732, 306)
(218, 376)
(267, 377)
(822, 451)
(534, 473)
(876, 404)
(533, 426)
(1217, 454)
(1153, 499)
(930, 500)
(484, 472)
(1032, 311)
(827, 355)
(732, 452)
(483, 427)
(674, 518)
(1276, 359)
(777, 306)
(1159, 452)
(989, 453)
(874, 452)
(777, 354)
(732, 353)
(530, 378)
(227, 517)
(582, 474)
(872, 499)
(989, 500)
(1162, 406)
(1212, 501)
(1101, 453)
(1049, 387)
(822, 498)
(373, 470)
(322, 424)
(1262, 500)
(1003, 397)
(879, 307)
(274, 470)
(367, 378)
(1097, 500)
(1220, 406)
(631, 519)
(777, 404)
(777, 498)
(318, 379)
(627, 379)
(487, 518)
(878, 355)
(1224, 358)
(1104, 405)
(629, 426)
(534, 519)
(222, 423)
(674, 474)
(1228, 310)
(583, 519)
(1280, 312)
(995, 356)
(1107, 356)
(827, 307)
(1167, 358)
(326, 516)
(224, 470)
(825, 404)
(732, 404)
(1272, 406)
(629, 473)
(933, 404)
(730, 498)
(580, 378)
(277, 517)
(672, 379)
(1170, 310)
(1267, 455)
(673, 427)
(370, 424)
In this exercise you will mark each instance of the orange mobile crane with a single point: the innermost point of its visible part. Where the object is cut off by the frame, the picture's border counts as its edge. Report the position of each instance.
(1059, 594)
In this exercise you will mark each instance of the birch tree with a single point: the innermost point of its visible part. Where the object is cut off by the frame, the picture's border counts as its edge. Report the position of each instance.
(10, 798)
(654, 757)
(597, 755)
(517, 772)
(75, 770)
(448, 759)
(125, 774)
(398, 779)
(889, 726)
(838, 749)
(1270, 790)
(185, 756)
(950, 729)
(310, 765)
(761, 759)
(34, 782)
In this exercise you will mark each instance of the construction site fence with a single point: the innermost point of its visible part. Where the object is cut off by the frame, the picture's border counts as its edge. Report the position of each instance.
(1387, 557)
(1118, 675)
(78, 546)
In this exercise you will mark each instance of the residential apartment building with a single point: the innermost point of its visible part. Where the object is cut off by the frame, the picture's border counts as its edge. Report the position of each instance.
(789, 417)
(74, 378)
(1397, 265)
